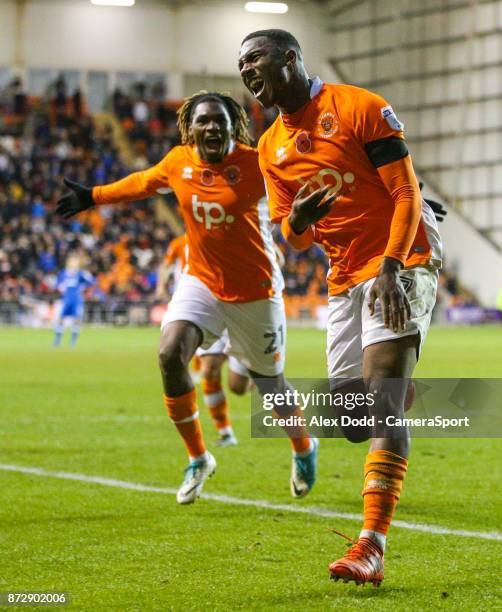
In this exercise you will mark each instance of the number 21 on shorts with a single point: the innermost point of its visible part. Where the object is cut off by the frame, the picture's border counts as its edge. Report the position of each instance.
(273, 337)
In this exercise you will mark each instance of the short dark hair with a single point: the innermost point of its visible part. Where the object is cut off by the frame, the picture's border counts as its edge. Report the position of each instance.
(283, 39)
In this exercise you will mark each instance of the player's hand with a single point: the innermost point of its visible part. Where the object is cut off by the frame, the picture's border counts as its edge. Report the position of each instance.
(389, 290)
(75, 201)
(438, 209)
(308, 209)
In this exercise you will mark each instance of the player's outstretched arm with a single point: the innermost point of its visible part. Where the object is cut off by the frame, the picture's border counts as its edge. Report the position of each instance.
(136, 186)
(76, 200)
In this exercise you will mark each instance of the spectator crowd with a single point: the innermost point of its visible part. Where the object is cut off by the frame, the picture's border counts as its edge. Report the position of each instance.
(40, 143)
(44, 140)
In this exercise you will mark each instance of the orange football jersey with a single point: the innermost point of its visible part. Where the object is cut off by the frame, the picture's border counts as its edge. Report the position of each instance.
(324, 143)
(230, 245)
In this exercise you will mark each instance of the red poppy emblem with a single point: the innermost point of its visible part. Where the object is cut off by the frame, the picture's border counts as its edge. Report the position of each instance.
(207, 177)
(303, 143)
(232, 174)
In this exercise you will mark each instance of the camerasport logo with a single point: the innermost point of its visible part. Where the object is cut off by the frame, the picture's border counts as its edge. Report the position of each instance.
(207, 177)
(303, 143)
(328, 125)
(232, 174)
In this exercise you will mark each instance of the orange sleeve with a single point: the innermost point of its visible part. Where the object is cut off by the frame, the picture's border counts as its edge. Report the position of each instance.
(136, 186)
(374, 118)
(172, 253)
(170, 257)
(298, 241)
(400, 180)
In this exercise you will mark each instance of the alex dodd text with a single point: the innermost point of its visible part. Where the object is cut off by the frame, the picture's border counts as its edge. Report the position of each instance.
(435, 422)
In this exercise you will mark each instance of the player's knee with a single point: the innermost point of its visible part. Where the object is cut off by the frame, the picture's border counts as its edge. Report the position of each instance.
(387, 399)
(238, 384)
(276, 389)
(384, 396)
(211, 368)
(270, 384)
(171, 359)
(352, 413)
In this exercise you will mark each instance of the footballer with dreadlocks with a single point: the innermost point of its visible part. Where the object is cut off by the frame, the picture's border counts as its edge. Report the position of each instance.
(231, 280)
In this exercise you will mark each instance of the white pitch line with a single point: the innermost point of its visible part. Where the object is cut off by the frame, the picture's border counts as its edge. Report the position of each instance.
(255, 503)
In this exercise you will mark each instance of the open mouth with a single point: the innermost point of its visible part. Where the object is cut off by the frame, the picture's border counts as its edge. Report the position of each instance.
(213, 143)
(256, 85)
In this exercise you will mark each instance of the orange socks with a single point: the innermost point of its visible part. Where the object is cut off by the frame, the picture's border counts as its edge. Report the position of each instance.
(384, 473)
(196, 364)
(297, 434)
(183, 412)
(301, 446)
(215, 399)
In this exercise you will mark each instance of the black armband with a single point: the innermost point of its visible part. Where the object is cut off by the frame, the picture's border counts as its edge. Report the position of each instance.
(386, 150)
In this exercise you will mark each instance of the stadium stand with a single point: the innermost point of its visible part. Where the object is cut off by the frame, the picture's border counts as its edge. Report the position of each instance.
(45, 139)
(42, 141)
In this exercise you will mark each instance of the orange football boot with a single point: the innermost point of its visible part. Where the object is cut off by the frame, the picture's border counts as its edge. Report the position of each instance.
(362, 563)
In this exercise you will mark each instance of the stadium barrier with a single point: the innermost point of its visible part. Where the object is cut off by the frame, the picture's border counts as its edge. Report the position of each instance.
(41, 313)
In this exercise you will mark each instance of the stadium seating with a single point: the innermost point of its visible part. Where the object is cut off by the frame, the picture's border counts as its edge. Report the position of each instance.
(41, 141)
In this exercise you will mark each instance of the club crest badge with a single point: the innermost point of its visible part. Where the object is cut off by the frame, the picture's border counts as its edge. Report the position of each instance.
(232, 174)
(207, 177)
(303, 143)
(328, 125)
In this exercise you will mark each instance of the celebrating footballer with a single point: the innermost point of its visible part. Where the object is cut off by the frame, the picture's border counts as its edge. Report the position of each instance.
(338, 173)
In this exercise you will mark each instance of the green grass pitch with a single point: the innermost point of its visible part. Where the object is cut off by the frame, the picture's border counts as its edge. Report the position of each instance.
(97, 410)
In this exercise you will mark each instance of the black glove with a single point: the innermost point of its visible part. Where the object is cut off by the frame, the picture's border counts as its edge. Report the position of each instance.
(75, 201)
(438, 209)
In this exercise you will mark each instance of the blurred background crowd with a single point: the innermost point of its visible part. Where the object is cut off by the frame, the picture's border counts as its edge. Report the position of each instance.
(44, 139)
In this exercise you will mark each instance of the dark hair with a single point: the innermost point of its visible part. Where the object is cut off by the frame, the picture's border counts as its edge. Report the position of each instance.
(285, 40)
(237, 114)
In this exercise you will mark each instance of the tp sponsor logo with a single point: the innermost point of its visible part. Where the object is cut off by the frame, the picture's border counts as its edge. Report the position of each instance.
(340, 184)
(211, 214)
